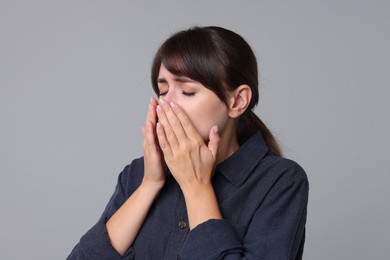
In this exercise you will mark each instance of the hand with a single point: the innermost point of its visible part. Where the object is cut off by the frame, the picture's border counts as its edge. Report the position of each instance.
(154, 168)
(189, 159)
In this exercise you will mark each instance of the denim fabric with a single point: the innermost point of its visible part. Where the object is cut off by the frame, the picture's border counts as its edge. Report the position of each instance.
(262, 198)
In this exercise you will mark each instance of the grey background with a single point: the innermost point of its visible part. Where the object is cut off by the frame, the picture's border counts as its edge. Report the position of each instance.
(74, 90)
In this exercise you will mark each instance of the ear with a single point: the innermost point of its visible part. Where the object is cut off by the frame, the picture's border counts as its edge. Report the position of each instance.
(239, 100)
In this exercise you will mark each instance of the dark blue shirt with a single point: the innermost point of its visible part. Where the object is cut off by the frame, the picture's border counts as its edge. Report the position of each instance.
(262, 198)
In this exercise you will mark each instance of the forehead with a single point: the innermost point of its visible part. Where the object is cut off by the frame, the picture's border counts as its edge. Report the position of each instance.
(164, 74)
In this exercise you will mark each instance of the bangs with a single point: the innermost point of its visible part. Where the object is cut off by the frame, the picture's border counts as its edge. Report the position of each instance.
(194, 56)
(176, 64)
(191, 58)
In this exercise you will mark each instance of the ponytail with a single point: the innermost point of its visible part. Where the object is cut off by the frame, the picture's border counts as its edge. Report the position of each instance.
(249, 123)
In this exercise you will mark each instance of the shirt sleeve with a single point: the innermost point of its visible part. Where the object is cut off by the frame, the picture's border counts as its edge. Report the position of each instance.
(277, 230)
(95, 244)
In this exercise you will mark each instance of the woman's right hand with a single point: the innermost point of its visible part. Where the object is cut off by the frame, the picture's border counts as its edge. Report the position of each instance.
(126, 222)
(154, 166)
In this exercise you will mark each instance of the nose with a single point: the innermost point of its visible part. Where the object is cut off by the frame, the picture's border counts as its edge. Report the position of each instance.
(169, 96)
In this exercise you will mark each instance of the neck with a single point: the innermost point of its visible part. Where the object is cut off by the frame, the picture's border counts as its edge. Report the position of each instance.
(228, 144)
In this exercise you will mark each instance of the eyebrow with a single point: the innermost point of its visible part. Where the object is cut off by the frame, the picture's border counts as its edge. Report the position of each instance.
(177, 79)
(183, 79)
(161, 81)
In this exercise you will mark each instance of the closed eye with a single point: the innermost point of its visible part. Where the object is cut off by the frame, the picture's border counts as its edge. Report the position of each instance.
(163, 93)
(188, 93)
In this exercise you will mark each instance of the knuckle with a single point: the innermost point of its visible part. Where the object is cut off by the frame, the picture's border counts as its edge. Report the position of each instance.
(187, 144)
(197, 142)
(169, 134)
(175, 123)
(189, 147)
(163, 146)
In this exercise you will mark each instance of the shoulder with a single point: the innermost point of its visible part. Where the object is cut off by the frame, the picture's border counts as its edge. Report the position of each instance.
(283, 170)
(288, 166)
(131, 176)
(134, 167)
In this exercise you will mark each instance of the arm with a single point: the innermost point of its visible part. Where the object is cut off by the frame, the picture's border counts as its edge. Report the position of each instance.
(125, 224)
(278, 227)
(95, 244)
(122, 219)
(276, 231)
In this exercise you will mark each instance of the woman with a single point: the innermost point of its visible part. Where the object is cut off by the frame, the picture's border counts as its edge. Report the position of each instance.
(212, 183)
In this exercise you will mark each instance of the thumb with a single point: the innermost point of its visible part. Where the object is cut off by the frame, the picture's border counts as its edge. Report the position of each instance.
(214, 141)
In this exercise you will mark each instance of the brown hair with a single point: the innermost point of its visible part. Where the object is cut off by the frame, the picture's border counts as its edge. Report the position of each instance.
(221, 60)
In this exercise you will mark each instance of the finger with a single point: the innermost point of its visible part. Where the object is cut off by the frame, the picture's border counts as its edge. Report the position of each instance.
(186, 124)
(174, 121)
(162, 140)
(154, 103)
(150, 142)
(149, 116)
(166, 124)
(214, 141)
(152, 116)
(150, 119)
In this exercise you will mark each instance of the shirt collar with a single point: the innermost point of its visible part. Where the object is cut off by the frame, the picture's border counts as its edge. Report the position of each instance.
(239, 165)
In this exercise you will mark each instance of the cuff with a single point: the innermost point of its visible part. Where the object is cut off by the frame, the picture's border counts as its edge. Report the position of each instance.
(96, 244)
(212, 239)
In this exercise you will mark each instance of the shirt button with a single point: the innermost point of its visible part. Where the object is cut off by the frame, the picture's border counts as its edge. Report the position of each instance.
(182, 224)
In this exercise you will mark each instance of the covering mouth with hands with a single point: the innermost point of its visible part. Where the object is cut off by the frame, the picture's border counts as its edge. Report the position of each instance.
(183, 148)
(190, 161)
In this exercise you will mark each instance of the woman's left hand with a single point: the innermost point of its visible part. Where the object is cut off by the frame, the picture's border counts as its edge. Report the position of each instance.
(189, 159)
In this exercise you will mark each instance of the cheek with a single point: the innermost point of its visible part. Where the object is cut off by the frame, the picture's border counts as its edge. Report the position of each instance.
(193, 114)
(205, 116)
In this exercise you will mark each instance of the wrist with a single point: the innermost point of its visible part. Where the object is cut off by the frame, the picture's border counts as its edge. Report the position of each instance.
(197, 190)
(151, 186)
(202, 204)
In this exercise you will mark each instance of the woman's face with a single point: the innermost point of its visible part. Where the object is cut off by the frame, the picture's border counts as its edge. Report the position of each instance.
(202, 106)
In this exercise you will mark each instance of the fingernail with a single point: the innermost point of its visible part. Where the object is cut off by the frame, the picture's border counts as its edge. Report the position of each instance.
(215, 129)
(158, 108)
(173, 105)
(162, 101)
